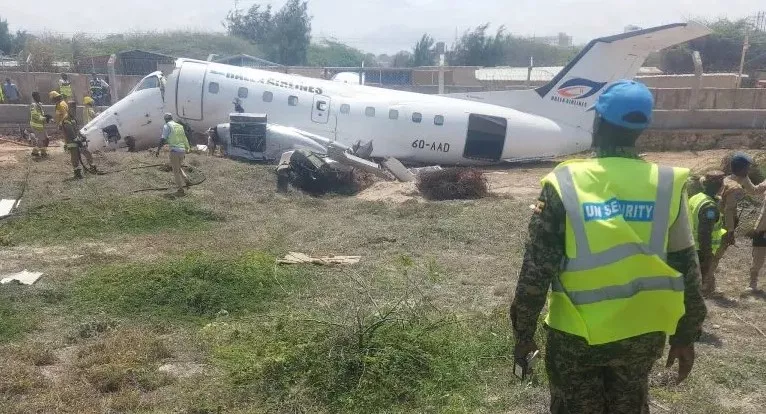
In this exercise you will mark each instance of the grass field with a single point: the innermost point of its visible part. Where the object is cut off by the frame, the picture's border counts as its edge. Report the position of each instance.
(154, 304)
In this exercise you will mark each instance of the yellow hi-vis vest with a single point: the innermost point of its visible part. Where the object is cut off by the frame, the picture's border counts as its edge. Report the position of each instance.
(615, 283)
(87, 115)
(65, 88)
(177, 138)
(696, 204)
(36, 117)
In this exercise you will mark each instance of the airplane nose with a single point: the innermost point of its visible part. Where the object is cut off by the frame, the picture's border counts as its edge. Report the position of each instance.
(95, 137)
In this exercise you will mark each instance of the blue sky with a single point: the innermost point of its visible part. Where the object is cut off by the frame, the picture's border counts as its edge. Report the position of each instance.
(378, 25)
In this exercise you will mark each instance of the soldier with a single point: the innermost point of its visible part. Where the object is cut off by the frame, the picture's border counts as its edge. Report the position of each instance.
(708, 225)
(75, 143)
(174, 135)
(736, 186)
(611, 238)
(37, 120)
(65, 87)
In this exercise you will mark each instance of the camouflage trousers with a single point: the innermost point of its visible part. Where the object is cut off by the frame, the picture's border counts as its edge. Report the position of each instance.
(602, 379)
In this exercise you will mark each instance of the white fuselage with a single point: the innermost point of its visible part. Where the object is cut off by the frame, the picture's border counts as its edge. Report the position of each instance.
(409, 126)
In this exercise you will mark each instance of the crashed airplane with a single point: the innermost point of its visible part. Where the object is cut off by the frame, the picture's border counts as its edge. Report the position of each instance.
(307, 113)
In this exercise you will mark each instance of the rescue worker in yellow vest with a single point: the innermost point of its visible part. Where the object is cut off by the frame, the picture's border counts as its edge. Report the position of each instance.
(37, 120)
(707, 225)
(611, 239)
(88, 113)
(174, 135)
(65, 87)
(62, 109)
(75, 143)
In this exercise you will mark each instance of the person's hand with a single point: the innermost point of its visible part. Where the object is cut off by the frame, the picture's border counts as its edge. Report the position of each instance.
(523, 348)
(685, 357)
(728, 238)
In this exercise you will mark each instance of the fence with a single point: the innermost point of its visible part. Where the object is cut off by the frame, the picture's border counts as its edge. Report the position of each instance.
(44, 82)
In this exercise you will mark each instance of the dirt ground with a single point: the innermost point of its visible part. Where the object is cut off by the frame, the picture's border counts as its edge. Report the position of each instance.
(523, 181)
(464, 257)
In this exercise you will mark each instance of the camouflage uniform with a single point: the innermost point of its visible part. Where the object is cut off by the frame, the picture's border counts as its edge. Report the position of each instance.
(608, 378)
(735, 189)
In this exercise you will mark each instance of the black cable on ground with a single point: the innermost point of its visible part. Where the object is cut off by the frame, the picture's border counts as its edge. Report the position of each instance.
(141, 190)
(10, 141)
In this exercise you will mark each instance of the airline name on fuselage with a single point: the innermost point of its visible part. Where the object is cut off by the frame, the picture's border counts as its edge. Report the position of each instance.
(270, 81)
(568, 101)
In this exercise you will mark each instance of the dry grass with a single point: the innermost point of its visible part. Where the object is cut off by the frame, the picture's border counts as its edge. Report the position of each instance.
(461, 258)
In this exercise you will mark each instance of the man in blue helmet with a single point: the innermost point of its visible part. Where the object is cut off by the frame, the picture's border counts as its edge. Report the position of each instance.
(736, 186)
(610, 238)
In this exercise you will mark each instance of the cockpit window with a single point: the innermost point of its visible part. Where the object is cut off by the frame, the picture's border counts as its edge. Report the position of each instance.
(148, 83)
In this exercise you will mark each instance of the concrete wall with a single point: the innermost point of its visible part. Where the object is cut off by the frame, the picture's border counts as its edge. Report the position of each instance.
(19, 114)
(710, 119)
(45, 82)
(709, 80)
(710, 98)
(696, 140)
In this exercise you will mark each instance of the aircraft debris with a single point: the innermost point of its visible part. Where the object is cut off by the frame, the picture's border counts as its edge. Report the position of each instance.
(24, 277)
(302, 258)
(453, 184)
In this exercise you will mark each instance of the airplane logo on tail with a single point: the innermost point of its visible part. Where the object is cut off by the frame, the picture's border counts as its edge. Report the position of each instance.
(575, 90)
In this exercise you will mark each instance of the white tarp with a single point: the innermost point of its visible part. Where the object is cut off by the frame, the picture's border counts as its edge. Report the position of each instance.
(24, 277)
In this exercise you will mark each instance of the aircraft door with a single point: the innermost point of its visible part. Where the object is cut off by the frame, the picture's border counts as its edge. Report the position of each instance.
(189, 90)
(320, 111)
(485, 138)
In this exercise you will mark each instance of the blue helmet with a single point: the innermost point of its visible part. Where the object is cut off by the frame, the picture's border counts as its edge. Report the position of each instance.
(740, 160)
(627, 104)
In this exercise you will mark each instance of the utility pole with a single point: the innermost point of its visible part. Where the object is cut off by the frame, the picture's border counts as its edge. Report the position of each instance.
(745, 46)
(441, 50)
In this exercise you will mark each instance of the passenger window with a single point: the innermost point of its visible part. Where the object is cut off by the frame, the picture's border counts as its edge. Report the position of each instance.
(369, 111)
(268, 96)
(213, 87)
(292, 100)
(242, 93)
(393, 114)
(439, 120)
(417, 117)
(345, 108)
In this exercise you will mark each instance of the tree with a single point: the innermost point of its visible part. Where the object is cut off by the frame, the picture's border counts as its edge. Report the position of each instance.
(284, 37)
(6, 38)
(476, 48)
(402, 59)
(20, 41)
(421, 53)
(292, 33)
(255, 26)
(721, 50)
(334, 53)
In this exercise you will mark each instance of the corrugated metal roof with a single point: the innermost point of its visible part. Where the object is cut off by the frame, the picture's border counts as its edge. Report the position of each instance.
(539, 74)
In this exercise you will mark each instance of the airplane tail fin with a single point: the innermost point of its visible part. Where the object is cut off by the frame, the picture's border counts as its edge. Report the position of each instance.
(572, 91)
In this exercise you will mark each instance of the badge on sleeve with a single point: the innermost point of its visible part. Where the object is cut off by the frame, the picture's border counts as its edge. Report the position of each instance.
(710, 214)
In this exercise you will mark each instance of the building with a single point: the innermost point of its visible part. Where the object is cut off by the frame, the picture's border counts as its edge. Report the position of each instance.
(561, 40)
(245, 61)
(130, 62)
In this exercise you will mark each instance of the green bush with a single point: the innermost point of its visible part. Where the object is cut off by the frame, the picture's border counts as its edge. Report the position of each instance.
(193, 288)
(75, 219)
(398, 360)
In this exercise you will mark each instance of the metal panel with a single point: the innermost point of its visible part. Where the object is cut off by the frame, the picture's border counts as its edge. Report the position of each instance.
(190, 89)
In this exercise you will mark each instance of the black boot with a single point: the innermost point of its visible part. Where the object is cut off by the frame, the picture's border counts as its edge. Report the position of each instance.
(78, 174)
